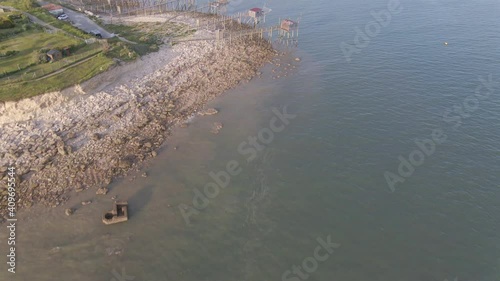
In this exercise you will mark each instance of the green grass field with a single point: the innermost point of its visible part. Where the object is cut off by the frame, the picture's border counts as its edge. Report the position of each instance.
(45, 16)
(26, 76)
(12, 3)
(23, 73)
(72, 76)
(29, 44)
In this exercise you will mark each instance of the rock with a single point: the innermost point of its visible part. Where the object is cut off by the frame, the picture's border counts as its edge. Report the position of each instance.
(85, 203)
(297, 59)
(107, 181)
(144, 175)
(79, 189)
(95, 137)
(69, 212)
(61, 150)
(216, 127)
(114, 251)
(55, 250)
(102, 191)
(153, 153)
(118, 141)
(125, 163)
(114, 197)
(210, 111)
(148, 145)
(59, 143)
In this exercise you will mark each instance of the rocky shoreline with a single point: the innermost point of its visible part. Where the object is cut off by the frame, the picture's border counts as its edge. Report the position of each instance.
(65, 143)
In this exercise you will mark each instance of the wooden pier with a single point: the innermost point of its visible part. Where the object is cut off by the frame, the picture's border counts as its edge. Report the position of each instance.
(273, 34)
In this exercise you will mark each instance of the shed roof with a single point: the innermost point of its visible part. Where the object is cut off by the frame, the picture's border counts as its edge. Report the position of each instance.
(52, 52)
(257, 10)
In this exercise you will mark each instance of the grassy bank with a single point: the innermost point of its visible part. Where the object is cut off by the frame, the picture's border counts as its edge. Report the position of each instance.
(28, 46)
(25, 70)
(33, 8)
(24, 67)
(73, 75)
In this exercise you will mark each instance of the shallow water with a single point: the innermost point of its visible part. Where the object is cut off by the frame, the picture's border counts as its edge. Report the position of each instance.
(323, 175)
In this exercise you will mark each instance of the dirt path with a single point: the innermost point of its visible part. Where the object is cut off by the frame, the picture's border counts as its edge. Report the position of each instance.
(65, 68)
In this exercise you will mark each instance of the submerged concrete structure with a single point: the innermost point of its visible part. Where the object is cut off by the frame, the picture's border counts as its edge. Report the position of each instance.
(118, 214)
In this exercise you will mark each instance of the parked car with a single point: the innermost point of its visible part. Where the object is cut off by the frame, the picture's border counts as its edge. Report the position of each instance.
(96, 34)
(63, 17)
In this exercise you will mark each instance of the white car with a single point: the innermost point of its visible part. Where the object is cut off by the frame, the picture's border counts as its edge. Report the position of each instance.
(63, 17)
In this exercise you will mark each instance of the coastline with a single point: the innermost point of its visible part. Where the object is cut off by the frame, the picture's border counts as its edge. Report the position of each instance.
(84, 137)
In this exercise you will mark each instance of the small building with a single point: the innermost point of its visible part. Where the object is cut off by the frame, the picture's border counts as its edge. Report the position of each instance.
(255, 13)
(288, 25)
(54, 9)
(54, 55)
(118, 214)
(66, 52)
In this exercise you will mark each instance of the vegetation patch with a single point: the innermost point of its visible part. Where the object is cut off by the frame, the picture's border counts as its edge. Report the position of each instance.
(33, 8)
(75, 75)
(144, 37)
(6, 22)
(19, 24)
(25, 48)
(35, 59)
(27, 71)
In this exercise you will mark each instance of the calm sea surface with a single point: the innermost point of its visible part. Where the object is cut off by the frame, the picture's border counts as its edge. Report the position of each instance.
(321, 178)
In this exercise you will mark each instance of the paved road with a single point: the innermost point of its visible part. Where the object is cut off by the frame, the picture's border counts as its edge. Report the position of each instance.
(82, 22)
